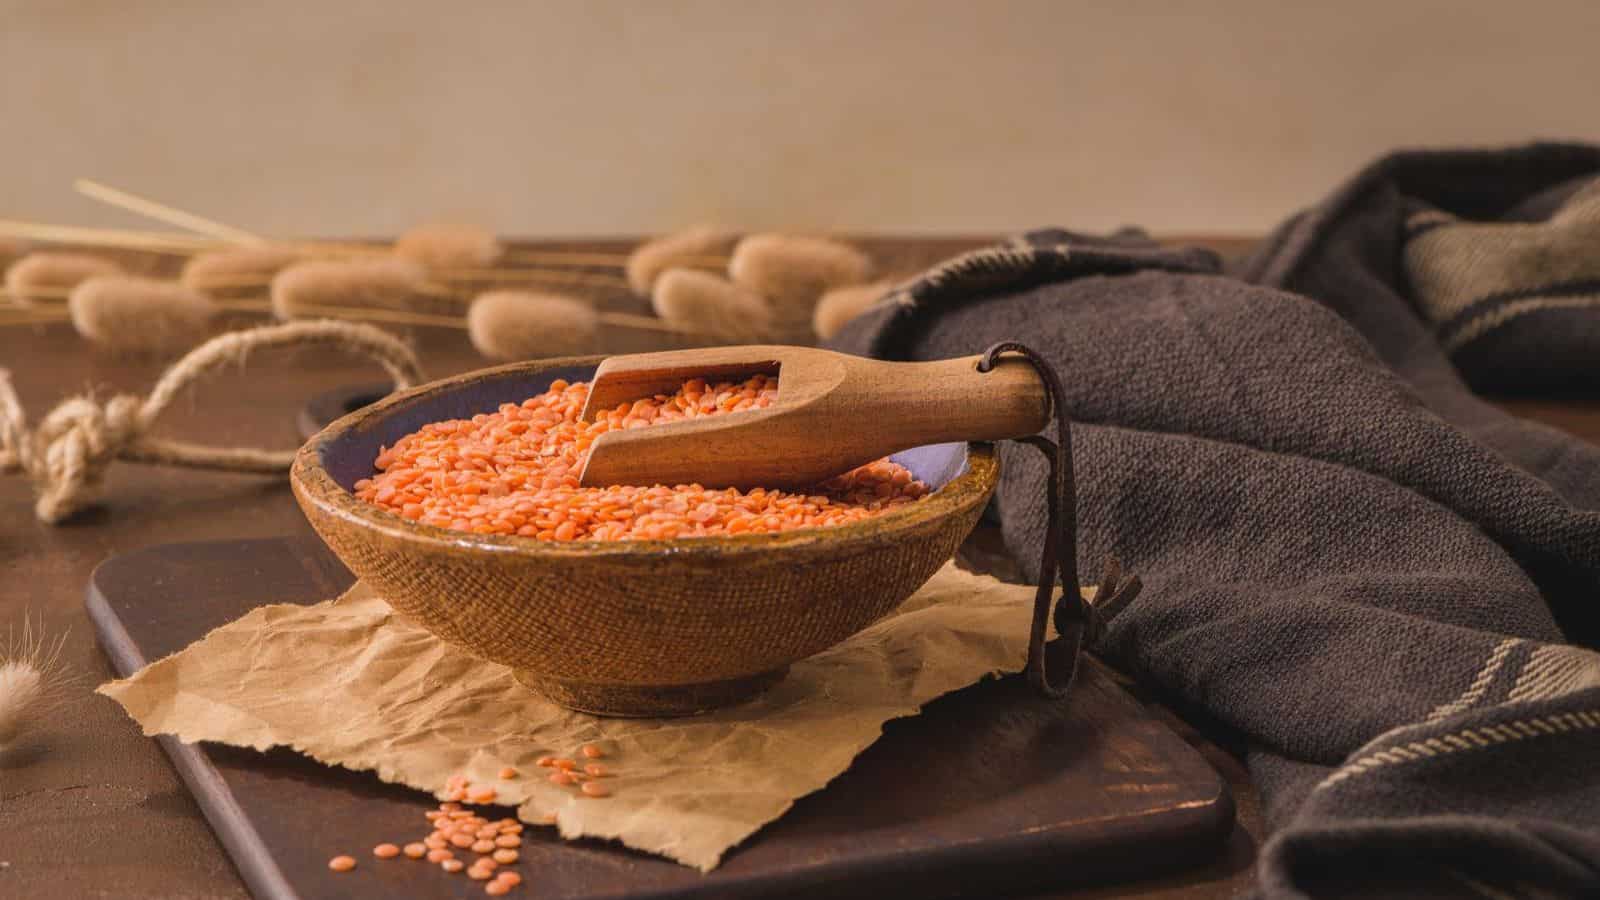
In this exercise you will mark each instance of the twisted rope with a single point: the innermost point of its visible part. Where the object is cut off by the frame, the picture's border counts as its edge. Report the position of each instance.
(66, 456)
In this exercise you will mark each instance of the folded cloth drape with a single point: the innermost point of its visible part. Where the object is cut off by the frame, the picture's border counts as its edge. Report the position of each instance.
(1379, 586)
(1495, 254)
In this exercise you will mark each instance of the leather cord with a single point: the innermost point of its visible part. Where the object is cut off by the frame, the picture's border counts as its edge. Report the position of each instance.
(1052, 665)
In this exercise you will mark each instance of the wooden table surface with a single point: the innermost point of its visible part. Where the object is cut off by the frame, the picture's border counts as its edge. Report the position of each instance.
(91, 808)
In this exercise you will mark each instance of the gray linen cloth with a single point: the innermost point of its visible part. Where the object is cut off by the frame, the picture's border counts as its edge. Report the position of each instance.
(1376, 586)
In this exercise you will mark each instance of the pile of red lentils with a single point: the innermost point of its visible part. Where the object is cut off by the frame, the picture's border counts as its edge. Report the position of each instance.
(515, 471)
(457, 828)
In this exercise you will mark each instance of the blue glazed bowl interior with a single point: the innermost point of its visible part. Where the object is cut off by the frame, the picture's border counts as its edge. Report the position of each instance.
(348, 458)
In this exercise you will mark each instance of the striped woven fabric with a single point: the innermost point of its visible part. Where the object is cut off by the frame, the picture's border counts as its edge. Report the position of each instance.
(1515, 303)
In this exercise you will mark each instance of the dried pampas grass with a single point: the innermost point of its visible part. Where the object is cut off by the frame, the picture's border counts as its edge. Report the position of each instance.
(306, 290)
(244, 267)
(139, 315)
(32, 680)
(710, 305)
(149, 241)
(517, 325)
(449, 245)
(161, 212)
(793, 272)
(703, 246)
(838, 306)
(11, 250)
(466, 252)
(42, 278)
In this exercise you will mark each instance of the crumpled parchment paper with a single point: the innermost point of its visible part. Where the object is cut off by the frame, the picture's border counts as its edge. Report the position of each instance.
(350, 683)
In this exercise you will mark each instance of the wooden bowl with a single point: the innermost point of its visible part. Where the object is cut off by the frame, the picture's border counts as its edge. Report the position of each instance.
(628, 628)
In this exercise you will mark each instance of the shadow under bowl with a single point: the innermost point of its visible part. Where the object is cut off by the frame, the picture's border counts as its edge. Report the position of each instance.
(628, 628)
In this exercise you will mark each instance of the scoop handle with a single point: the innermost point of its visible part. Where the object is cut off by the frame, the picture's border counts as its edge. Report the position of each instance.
(950, 400)
(833, 413)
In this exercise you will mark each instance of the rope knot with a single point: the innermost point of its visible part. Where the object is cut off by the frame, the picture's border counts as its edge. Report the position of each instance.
(67, 455)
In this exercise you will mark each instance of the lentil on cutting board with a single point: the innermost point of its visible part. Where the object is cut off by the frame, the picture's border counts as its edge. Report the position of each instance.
(494, 843)
(515, 471)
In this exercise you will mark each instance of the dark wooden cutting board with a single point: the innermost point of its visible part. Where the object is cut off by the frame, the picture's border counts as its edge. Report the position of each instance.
(991, 790)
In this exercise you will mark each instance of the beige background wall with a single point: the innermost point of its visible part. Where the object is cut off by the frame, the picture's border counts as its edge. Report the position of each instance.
(619, 117)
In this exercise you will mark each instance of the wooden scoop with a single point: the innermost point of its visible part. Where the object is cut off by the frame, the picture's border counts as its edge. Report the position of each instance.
(833, 413)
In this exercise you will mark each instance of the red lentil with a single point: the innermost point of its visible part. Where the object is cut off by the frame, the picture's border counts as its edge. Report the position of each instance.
(595, 770)
(592, 751)
(596, 789)
(515, 471)
(508, 773)
(453, 824)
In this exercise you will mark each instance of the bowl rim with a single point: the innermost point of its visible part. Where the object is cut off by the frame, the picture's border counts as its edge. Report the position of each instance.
(313, 485)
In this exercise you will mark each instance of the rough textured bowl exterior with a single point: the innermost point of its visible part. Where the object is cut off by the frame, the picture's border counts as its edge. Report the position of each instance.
(636, 627)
